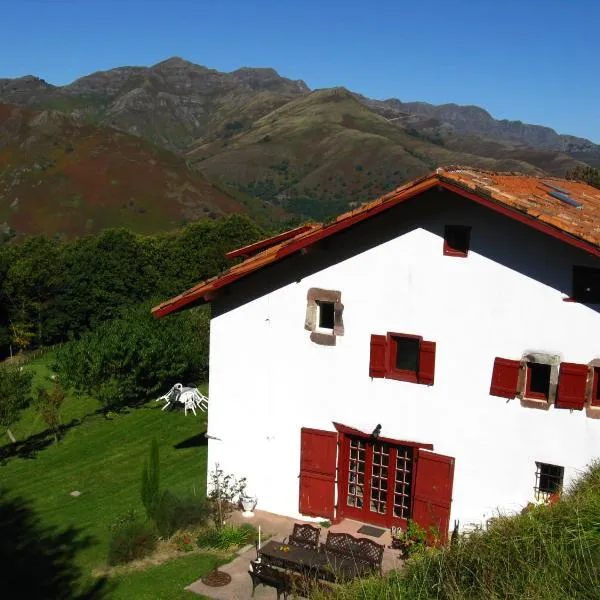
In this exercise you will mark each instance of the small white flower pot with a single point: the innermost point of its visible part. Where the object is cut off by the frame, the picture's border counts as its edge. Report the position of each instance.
(248, 504)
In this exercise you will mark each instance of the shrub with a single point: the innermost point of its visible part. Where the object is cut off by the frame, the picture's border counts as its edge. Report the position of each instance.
(225, 490)
(230, 536)
(130, 541)
(167, 510)
(175, 512)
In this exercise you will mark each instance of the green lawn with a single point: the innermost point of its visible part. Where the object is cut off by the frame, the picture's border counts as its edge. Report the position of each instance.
(103, 459)
(166, 581)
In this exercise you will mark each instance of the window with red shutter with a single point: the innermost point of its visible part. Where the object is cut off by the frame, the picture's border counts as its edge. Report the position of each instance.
(505, 378)
(378, 361)
(403, 357)
(572, 385)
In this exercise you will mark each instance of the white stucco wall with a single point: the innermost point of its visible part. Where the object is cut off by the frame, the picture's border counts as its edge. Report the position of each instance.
(267, 379)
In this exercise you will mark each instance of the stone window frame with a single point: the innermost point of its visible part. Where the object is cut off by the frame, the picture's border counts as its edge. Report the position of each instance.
(592, 410)
(311, 322)
(542, 358)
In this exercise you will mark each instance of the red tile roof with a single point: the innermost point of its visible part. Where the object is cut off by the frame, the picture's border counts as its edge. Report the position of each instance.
(535, 201)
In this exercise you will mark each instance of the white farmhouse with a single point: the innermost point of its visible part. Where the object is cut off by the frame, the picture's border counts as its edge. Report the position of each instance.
(432, 355)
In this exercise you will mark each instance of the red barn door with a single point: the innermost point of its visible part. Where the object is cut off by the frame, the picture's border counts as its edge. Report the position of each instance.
(318, 461)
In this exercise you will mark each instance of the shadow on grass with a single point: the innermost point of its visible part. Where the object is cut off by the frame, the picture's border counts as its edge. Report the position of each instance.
(39, 561)
(192, 442)
(29, 447)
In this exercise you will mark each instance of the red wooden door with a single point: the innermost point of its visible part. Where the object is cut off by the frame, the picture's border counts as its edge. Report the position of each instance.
(318, 461)
(432, 498)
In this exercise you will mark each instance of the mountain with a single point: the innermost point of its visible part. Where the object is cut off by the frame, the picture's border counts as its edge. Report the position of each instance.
(313, 152)
(172, 103)
(328, 145)
(475, 121)
(61, 177)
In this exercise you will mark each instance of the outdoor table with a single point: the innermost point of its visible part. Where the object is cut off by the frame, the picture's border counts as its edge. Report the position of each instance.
(316, 563)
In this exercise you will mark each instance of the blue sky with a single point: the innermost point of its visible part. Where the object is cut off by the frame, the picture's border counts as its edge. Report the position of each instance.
(533, 60)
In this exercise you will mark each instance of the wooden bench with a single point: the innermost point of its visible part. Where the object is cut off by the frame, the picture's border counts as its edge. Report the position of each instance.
(264, 574)
(363, 551)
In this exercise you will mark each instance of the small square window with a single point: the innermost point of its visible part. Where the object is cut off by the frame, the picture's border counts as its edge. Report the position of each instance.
(407, 354)
(538, 381)
(326, 315)
(586, 285)
(457, 239)
(548, 480)
(404, 357)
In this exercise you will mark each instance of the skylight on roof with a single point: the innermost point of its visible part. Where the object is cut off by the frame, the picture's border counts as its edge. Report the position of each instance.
(566, 199)
(555, 187)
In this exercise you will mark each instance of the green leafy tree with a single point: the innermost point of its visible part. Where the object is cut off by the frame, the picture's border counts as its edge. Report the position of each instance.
(128, 360)
(32, 281)
(48, 403)
(15, 395)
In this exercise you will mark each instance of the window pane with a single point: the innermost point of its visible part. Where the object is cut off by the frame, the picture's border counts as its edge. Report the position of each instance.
(539, 378)
(407, 353)
(325, 314)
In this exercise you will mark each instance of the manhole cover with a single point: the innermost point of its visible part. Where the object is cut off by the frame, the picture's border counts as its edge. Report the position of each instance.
(216, 579)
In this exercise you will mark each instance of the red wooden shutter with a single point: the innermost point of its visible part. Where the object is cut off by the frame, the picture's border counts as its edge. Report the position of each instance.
(433, 491)
(427, 363)
(377, 362)
(505, 378)
(318, 461)
(572, 382)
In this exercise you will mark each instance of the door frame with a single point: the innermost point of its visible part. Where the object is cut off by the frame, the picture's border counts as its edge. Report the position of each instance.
(345, 433)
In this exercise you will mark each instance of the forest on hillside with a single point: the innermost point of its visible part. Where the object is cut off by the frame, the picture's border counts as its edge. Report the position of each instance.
(52, 291)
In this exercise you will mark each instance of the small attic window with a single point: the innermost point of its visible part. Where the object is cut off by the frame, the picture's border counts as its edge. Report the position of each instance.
(457, 239)
(586, 285)
(324, 311)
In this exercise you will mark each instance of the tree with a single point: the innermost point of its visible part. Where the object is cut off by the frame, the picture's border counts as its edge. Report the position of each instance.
(15, 390)
(48, 403)
(132, 358)
(585, 173)
(150, 491)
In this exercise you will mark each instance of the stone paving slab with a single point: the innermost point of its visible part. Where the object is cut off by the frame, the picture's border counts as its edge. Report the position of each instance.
(276, 527)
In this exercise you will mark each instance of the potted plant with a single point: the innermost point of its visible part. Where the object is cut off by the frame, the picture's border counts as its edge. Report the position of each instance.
(248, 504)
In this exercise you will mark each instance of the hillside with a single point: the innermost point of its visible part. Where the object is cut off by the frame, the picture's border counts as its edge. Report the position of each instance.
(319, 152)
(314, 153)
(58, 176)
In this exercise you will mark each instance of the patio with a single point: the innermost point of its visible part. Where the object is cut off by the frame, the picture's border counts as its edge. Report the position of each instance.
(278, 527)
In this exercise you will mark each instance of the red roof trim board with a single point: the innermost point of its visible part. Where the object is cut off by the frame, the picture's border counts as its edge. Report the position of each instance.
(263, 244)
(518, 197)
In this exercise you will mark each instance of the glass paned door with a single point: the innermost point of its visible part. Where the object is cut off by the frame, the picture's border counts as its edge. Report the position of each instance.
(378, 481)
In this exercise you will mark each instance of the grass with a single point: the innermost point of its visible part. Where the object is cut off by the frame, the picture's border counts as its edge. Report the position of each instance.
(166, 581)
(547, 553)
(103, 459)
